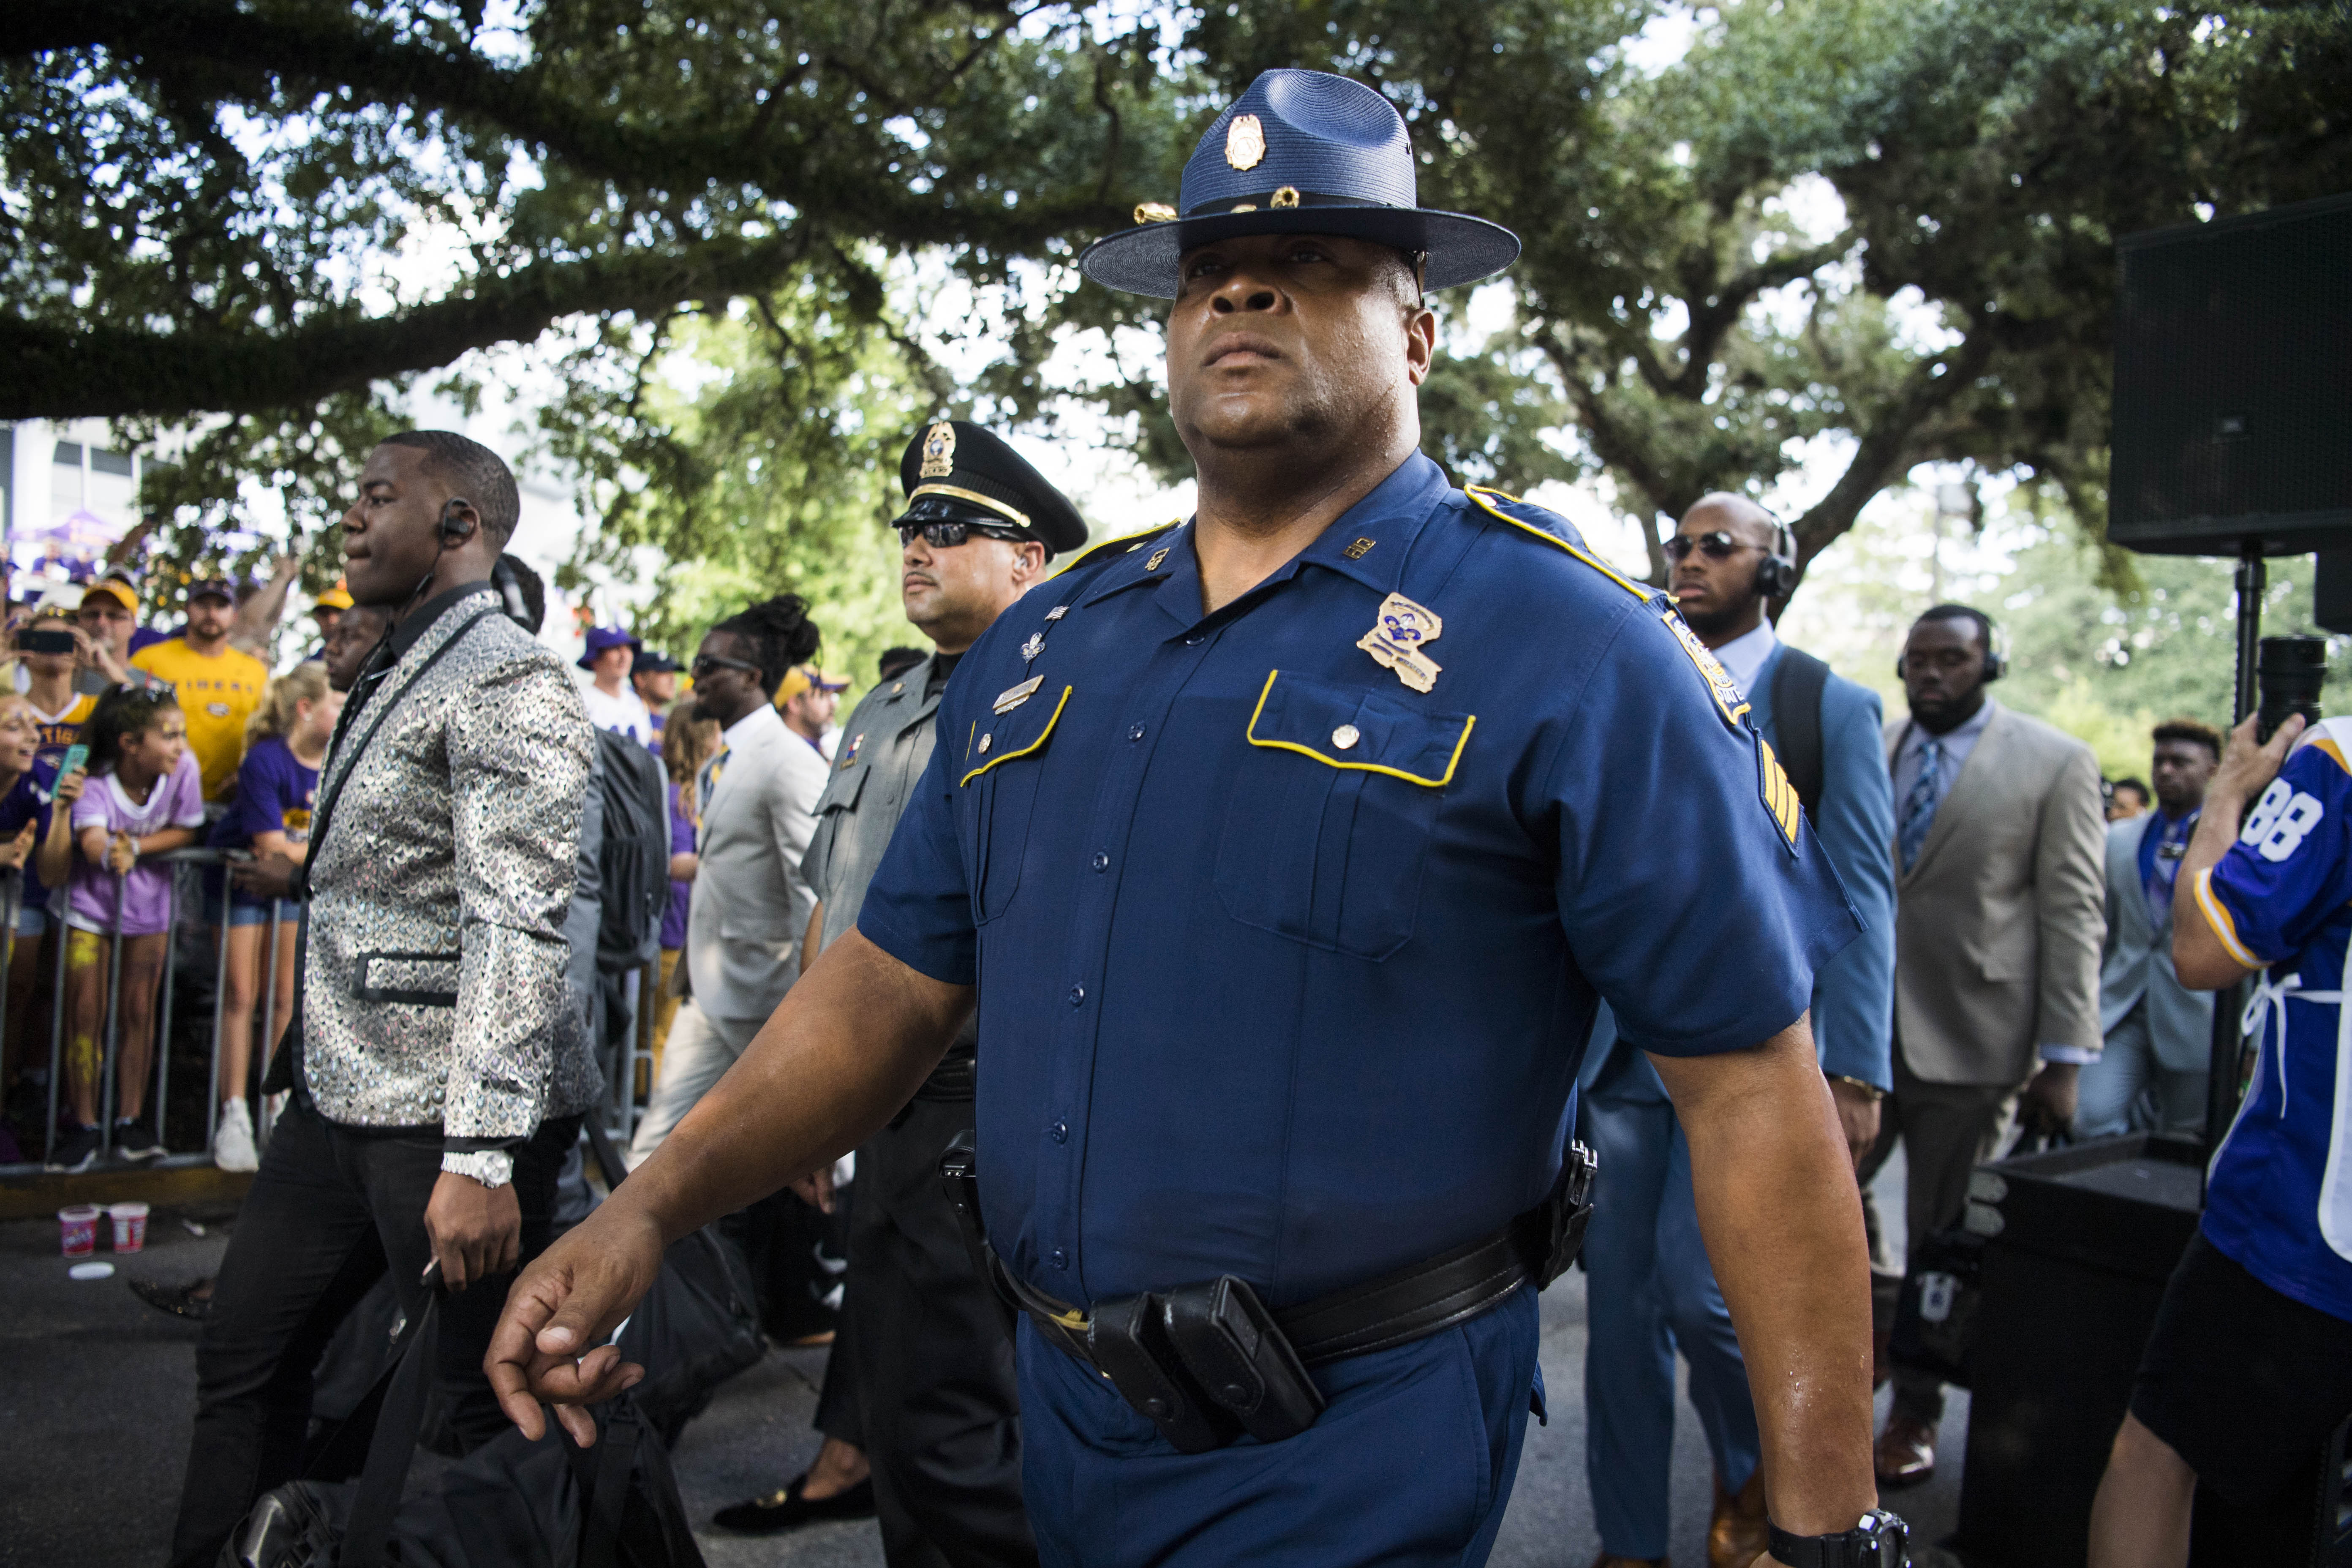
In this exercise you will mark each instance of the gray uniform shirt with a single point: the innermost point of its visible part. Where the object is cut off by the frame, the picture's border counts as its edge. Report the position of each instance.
(884, 748)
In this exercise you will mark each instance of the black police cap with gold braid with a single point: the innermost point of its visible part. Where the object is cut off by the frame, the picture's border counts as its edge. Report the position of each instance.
(956, 469)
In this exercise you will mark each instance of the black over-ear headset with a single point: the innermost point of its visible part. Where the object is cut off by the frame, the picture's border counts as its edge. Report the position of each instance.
(1776, 575)
(1995, 664)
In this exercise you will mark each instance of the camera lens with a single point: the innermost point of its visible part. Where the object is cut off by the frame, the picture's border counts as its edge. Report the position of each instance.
(2289, 671)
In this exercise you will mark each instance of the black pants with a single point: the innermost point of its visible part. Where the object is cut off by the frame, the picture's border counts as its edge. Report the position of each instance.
(931, 1361)
(331, 1210)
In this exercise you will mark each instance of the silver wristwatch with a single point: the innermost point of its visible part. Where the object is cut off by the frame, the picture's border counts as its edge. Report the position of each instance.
(491, 1167)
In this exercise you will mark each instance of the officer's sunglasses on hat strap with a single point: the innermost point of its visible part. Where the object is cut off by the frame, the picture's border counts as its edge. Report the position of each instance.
(948, 535)
(1717, 545)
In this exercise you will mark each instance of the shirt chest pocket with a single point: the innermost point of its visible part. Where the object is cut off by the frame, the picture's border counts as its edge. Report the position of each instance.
(1332, 812)
(1003, 765)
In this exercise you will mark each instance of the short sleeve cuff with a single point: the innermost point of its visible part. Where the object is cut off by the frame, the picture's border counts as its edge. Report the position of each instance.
(2068, 1056)
(2225, 927)
(950, 960)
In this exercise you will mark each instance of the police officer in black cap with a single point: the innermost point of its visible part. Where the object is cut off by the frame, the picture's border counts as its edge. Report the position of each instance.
(923, 1347)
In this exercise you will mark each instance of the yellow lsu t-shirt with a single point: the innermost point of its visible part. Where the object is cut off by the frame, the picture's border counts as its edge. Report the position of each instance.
(218, 693)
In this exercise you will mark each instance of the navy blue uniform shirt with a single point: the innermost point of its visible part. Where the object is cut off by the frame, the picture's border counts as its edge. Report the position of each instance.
(1285, 966)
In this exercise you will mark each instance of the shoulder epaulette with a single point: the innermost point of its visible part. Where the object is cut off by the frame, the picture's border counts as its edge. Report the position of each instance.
(1119, 546)
(1478, 494)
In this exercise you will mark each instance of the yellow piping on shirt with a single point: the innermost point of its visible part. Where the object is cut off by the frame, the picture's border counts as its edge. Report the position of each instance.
(1451, 763)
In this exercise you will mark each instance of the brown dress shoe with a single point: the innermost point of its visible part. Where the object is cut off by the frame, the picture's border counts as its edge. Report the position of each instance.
(1610, 1560)
(1906, 1453)
(1738, 1534)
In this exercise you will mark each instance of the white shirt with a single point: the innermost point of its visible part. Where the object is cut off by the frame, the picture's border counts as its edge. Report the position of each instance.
(626, 714)
(1744, 655)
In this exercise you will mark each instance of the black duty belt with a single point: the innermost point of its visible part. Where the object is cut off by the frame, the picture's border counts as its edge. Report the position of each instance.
(1207, 1361)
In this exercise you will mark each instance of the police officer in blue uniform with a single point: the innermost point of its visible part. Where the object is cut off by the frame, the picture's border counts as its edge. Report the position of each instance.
(1288, 851)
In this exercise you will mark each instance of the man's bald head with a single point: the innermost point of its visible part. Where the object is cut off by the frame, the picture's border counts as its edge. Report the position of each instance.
(1734, 514)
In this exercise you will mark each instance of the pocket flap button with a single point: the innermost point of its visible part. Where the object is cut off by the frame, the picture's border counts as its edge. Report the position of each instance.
(1346, 736)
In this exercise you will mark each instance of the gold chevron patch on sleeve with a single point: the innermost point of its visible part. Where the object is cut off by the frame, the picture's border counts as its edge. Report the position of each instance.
(1779, 794)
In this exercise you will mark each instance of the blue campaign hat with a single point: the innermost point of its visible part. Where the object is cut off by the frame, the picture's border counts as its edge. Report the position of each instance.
(1300, 152)
(601, 638)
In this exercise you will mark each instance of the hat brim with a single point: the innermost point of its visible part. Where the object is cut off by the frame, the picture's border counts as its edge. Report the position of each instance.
(1461, 248)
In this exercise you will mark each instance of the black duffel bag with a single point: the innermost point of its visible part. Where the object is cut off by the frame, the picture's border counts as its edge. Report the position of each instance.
(697, 1327)
(512, 1503)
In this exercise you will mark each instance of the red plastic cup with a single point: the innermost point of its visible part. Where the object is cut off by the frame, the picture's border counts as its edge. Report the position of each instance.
(130, 1225)
(77, 1224)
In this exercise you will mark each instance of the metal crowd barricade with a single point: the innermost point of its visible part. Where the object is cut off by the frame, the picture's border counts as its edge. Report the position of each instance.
(111, 1054)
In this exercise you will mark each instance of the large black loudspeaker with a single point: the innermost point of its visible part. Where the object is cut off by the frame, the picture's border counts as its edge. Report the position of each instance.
(2233, 385)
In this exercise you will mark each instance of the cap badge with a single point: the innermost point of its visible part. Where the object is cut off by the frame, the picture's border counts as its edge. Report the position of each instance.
(1244, 141)
(1013, 697)
(1285, 196)
(939, 451)
(1154, 212)
(1033, 648)
(1397, 638)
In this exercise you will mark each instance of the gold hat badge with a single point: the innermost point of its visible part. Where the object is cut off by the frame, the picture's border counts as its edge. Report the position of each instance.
(939, 451)
(1244, 141)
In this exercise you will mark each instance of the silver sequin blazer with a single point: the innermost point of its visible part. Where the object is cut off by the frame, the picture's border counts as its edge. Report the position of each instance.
(434, 987)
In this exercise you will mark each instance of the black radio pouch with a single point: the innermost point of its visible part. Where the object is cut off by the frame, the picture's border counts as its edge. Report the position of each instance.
(1568, 1213)
(1129, 1342)
(1240, 1355)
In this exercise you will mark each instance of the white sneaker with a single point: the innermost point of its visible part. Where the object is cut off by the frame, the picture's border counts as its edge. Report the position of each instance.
(233, 1139)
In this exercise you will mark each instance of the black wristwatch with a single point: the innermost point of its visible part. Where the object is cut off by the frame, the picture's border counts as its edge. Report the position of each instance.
(1880, 1541)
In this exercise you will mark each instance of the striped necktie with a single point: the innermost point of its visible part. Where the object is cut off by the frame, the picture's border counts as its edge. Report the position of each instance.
(1919, 806)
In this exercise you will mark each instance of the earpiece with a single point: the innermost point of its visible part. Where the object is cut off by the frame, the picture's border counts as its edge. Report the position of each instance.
(455, 529)
(1776, 575)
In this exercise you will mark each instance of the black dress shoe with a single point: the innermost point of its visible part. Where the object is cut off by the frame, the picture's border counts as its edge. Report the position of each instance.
(180, 1300)
(785, 1508)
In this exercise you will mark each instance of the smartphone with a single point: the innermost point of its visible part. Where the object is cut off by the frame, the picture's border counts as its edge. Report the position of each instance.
(76, 756)
(44, 640)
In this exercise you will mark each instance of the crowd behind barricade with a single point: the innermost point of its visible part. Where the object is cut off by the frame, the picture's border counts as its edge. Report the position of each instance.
(477, 919)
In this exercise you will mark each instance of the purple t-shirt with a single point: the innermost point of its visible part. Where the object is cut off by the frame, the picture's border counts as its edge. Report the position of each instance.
(28, 800)
(275, 794)
(174, 802)
(681, 894)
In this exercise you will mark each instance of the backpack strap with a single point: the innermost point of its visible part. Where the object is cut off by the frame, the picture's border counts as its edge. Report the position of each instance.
(1798, 683)
(393, 1444)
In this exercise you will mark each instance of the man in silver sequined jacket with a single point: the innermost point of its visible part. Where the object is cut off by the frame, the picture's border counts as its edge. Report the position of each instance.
(438, 1076)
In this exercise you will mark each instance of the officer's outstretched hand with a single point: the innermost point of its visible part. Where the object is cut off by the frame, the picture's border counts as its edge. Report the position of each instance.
(571, 1299)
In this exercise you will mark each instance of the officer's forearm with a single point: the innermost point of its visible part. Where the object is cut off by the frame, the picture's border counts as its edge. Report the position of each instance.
(853, 1039)
(1782, 1219)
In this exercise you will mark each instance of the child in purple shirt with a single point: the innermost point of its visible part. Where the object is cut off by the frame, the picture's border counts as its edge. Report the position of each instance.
(143, 799)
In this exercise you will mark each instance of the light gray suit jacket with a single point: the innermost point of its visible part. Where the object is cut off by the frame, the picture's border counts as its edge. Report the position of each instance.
(1999, 923)
(752, 905)
(2136, 962)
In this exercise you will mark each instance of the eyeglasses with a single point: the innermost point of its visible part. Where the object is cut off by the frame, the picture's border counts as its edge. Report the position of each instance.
(703, 663)
(948, 535)
(1718, 545)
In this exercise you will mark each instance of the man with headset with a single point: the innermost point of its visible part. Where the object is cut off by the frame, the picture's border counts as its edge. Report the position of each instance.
(2000, 914)
(1653, 1290)
(437, 1081)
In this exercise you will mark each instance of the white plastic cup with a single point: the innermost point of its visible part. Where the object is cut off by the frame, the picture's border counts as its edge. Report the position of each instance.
(78, 1228)
(130, 1225)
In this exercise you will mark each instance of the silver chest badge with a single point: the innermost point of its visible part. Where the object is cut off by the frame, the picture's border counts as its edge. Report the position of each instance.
(1013, 697)
(1397, 638)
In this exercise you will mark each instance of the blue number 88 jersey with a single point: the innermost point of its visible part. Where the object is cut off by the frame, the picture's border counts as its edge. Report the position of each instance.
(2279, 1201)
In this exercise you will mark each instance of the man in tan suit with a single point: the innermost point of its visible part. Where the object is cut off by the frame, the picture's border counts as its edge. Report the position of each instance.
(1999, 918)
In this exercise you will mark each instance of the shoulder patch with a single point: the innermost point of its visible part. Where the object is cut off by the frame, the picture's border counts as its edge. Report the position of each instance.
(1116, 547)
(1728, 702)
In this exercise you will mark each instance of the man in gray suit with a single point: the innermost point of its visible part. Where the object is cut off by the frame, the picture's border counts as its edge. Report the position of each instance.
(1998, 835)
(751, 904)
(2160, 1034)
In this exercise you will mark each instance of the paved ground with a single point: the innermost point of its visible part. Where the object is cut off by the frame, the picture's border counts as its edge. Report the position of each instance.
(97, 1393)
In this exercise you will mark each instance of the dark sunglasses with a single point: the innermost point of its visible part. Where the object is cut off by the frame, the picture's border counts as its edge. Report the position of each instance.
(1718, 545)
(948, 535)
(703, 663)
